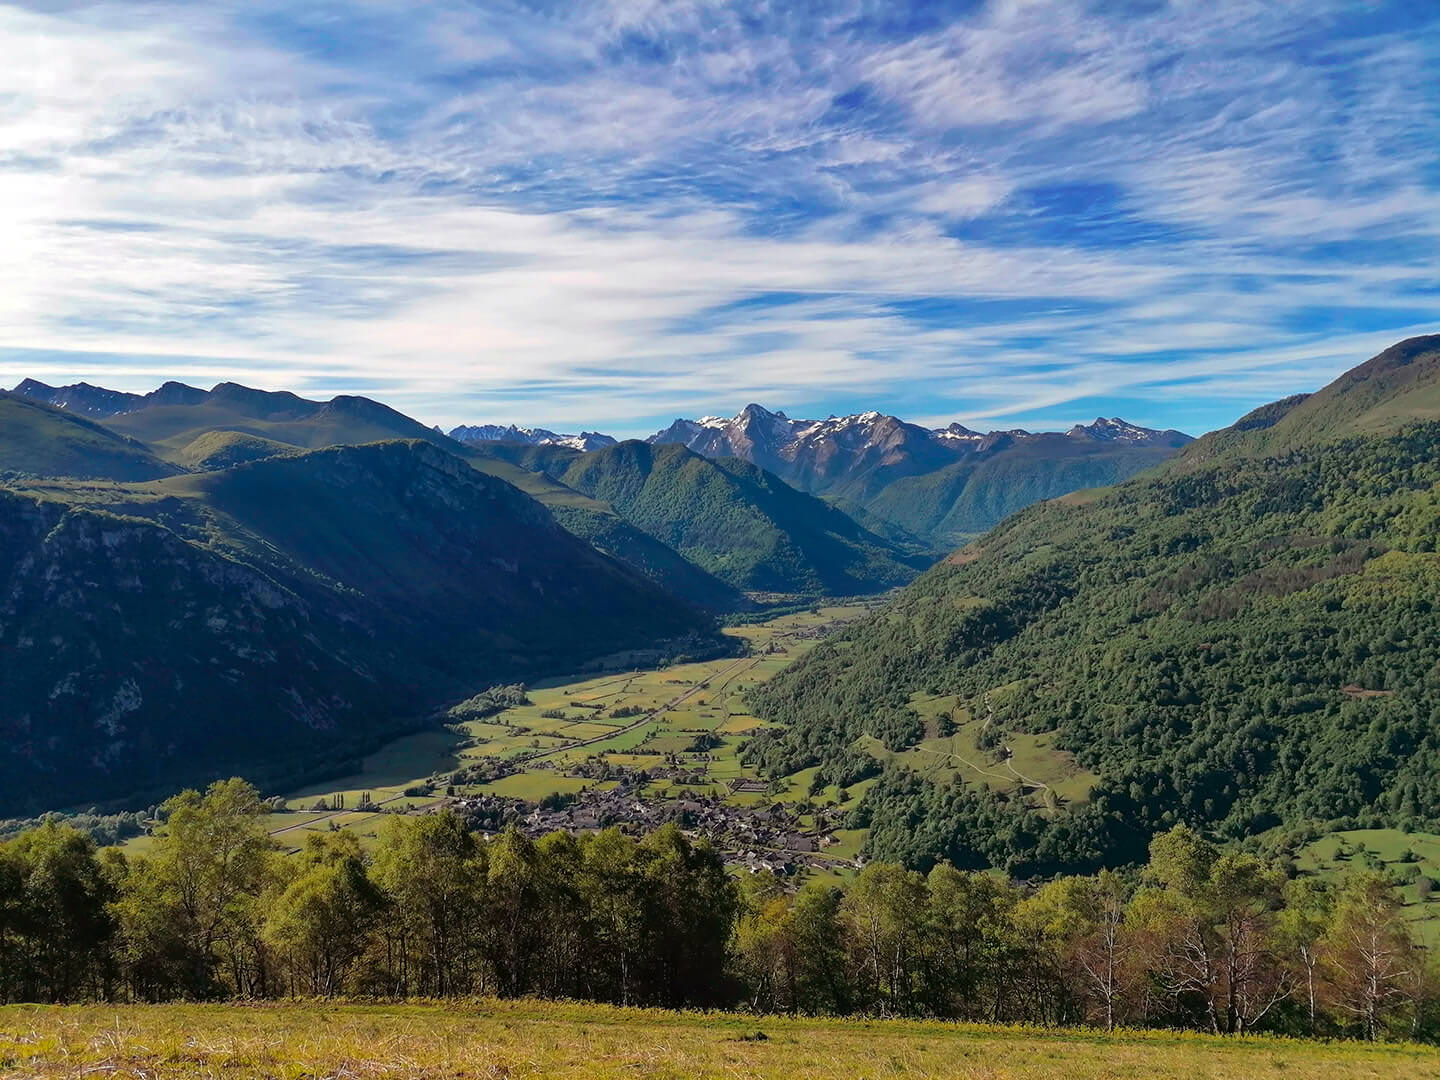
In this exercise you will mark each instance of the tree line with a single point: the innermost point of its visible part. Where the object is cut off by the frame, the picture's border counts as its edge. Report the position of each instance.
(1199, 937)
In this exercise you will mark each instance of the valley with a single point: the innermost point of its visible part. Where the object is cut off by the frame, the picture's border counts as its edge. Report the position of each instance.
(1121, 724)
(632, 749)
(698, 539)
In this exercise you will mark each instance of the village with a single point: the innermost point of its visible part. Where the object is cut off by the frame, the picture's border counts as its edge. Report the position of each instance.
(767, 838)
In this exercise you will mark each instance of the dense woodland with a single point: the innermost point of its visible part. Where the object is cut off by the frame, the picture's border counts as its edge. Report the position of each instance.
(1240, 642)
(743, 525)
(1198, 938)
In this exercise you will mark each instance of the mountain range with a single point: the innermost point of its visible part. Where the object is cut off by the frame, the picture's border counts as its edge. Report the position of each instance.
(482, 433)
(180, 428)
(188, 569)
(280, 614)
(1242, 640)
(940, 484)
(737, 522)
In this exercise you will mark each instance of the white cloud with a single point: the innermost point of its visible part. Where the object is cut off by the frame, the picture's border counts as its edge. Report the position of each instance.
(517, 219)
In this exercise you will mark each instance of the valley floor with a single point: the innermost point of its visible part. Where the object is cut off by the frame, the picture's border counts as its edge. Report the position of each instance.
(629, 747)
(525, 1039)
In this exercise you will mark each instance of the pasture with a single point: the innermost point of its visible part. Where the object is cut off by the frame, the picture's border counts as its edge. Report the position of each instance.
(528, 1040)
(644, 719)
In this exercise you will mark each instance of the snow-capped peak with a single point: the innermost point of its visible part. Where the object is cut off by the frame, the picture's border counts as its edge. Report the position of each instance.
(956, 433)
(1112, 429)
(586, 440)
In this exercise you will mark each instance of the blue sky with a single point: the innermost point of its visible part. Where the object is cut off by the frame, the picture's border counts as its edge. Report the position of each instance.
(609, 213)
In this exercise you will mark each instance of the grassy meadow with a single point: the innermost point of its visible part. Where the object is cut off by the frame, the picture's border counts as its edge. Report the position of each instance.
(523, 1039)
(1412, 856)
(661, 712)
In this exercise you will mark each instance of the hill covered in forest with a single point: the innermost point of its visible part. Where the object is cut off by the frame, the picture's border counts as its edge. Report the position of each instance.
(1241, 640)
(282, 614)
(735, 521)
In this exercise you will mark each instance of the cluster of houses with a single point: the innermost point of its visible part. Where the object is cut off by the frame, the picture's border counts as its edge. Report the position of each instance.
(767, 838)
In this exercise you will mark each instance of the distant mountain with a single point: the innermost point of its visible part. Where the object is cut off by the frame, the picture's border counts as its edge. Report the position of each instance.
(735, 521)
(172, 417)
(1242, 639)
(42, 440)
(96, 401)
(586, 440)
(977, 492)
(1116, 430)
(277, 615)
(855, 459)
(203, 430)
(846, 456)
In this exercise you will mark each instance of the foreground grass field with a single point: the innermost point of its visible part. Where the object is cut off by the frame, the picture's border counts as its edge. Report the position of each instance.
(513, 1040)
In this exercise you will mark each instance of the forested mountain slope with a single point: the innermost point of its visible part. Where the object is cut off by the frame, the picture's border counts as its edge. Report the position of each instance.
(735, 521)
(281, 613)
(599, 524)
(952, 504)
(1244, 639)
(204, 430)
(941, 485)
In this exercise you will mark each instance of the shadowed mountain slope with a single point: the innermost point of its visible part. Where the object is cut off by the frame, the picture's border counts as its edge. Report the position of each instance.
(281, 614)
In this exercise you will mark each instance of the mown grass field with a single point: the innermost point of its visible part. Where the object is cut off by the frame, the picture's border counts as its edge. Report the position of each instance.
(515, 1040)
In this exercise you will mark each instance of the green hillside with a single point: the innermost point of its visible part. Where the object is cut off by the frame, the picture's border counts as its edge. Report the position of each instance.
(600, 525)
(39, 440)
(1397, 387)
(280, 615)
(1242, 640)
(953, 504)
(737, 522)
(281, 416)
(210, 430)
(222, 449)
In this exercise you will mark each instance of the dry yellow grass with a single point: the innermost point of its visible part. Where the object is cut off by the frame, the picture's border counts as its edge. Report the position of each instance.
(514, 1040)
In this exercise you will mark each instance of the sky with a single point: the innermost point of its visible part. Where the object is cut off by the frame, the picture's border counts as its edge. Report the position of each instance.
(609, 213)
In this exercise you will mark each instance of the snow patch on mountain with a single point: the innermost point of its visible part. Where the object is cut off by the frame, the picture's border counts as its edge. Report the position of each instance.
(586, 440)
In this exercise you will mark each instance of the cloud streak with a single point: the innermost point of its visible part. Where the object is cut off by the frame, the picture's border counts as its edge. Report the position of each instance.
(609, 214)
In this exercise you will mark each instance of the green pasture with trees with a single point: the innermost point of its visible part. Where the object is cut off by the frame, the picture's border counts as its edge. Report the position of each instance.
(1197, 939)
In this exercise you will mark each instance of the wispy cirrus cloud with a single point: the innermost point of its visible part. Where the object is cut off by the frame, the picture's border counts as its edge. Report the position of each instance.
(611, 213)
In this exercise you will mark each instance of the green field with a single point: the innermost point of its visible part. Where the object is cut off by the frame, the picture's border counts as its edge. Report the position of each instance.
(1028, 766)
(1385, 850)
(676, 704)
(512, 1040)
